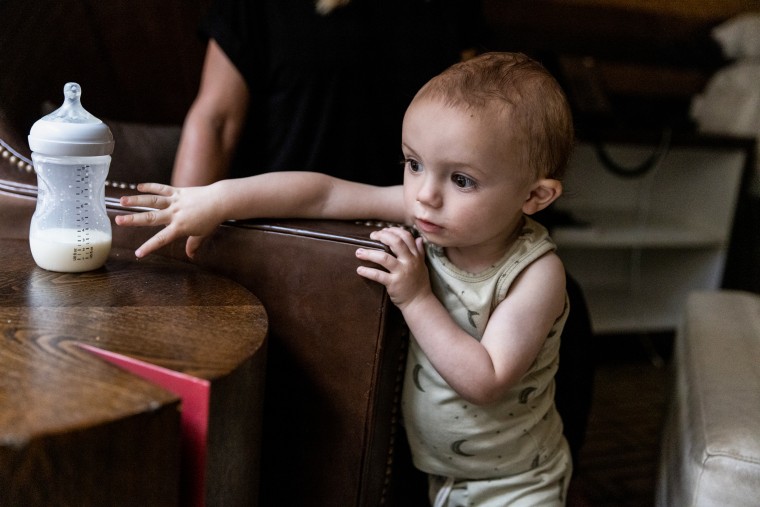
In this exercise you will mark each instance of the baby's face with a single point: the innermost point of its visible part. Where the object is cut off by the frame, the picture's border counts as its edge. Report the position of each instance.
(465, 177)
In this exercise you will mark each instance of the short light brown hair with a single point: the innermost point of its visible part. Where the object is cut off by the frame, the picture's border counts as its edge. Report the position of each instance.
(526, 91)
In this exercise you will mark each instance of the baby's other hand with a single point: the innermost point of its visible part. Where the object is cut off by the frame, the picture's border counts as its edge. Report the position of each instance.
(406, 277)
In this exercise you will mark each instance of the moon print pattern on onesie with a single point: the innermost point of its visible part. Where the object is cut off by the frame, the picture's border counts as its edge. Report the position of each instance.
(448, 435)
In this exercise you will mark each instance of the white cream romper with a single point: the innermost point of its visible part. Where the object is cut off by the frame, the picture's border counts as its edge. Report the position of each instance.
(511, 452)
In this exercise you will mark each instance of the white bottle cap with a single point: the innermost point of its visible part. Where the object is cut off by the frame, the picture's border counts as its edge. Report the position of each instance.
(70, 130)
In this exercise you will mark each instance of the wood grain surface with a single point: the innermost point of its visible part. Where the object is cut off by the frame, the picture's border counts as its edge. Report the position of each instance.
(75, 430)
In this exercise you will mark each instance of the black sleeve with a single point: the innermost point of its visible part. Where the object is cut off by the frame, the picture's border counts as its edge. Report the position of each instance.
(231, 23)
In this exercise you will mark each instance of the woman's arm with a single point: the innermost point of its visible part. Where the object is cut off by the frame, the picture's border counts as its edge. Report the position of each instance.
(213, 124)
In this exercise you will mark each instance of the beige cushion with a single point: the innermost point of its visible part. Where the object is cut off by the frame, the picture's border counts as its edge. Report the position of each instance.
(711, 441)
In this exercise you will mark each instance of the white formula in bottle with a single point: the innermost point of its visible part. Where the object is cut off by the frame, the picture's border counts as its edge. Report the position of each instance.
(69, 250)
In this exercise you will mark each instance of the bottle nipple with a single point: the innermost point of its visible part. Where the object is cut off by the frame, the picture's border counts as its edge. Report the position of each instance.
(70, 130)
(72, 91)
(71, 111)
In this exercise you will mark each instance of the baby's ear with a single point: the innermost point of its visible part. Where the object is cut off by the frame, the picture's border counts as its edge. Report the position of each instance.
(542, 194)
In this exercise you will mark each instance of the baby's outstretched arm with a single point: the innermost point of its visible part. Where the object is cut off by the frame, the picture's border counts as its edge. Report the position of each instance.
(194, 212)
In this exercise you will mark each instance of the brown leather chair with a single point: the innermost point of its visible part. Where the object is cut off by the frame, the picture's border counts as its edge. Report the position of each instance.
(335, 352)
(335, 345)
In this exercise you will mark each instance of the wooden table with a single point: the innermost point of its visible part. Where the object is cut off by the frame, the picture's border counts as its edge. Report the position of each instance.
(78, 430)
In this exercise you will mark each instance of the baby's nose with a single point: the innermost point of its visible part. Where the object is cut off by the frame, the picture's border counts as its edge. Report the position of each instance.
(429, 193)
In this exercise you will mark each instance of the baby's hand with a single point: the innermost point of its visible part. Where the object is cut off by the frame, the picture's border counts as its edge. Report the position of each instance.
(186, 212)
(407, 275)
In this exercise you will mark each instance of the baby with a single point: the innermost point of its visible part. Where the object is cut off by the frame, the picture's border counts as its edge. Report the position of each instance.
(482, 290)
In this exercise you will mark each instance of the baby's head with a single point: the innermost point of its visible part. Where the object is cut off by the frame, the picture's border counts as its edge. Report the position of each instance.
(523, 94)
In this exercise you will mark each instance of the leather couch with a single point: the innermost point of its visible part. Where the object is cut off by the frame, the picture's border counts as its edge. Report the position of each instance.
(336, 346)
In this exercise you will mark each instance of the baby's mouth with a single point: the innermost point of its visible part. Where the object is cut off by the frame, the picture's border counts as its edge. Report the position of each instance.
(426, 227)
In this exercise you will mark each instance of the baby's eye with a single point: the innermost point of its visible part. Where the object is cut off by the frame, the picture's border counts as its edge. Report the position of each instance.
(413, 165)
(462, 181)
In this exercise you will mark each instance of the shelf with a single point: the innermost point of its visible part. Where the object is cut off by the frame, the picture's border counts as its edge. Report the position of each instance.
(645, 311)
(639, 246)
(628, 229)
(632, 236)
(642, 291)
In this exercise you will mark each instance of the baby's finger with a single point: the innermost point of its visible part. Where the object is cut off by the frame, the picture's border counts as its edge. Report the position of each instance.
(157, 195)
(376, 275)
(400, 241)
(145, 201)
(161, 238)
(156, 188)
(192, 245)
(151, 217)
(379, 257)
(420, 244)
(405, 236)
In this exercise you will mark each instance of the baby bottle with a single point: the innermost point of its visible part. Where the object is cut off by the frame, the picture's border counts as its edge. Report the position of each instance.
(71, 151)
